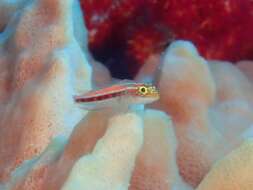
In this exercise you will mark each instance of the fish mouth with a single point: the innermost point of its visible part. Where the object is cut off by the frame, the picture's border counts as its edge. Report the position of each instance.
(155, 95)
(151, 98)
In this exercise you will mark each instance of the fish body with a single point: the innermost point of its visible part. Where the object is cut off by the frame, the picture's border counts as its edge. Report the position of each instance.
(118, 95)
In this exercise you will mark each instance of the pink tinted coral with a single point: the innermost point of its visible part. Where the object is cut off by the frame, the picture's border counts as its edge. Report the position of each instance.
(206, 114)
(42, 65)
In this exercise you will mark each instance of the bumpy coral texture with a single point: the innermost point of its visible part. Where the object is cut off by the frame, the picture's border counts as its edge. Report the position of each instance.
(42, 66)
(198, 134)
(226, 174)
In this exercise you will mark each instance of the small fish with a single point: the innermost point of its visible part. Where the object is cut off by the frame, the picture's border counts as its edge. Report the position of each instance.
(118, 95)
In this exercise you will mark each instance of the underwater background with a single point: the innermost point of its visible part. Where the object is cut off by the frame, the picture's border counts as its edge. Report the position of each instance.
(197, 53)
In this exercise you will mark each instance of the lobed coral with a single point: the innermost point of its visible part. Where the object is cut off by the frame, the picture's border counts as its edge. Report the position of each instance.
(196, 135)
(232, 172)
(38, 79)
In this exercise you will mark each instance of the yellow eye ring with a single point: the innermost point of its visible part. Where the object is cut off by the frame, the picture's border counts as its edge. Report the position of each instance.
(143, 90)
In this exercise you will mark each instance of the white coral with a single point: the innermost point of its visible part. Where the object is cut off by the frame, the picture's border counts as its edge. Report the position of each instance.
(110, 164)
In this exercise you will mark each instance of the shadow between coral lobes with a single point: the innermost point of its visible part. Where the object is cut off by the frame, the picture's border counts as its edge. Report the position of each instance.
(113, 57)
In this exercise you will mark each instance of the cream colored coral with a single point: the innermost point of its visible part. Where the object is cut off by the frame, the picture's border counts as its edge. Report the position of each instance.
(233, 172)
(110, 164)
(187, 90)
(231, 83)
(156, 166)
(184, 73)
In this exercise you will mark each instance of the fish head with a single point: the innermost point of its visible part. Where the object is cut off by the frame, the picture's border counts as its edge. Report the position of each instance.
(146, 93)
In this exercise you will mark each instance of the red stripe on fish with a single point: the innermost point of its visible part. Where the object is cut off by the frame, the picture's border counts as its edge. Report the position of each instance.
(99, 97)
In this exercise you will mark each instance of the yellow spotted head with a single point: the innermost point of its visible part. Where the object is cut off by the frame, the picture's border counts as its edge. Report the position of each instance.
(141, 93)
(148, 91)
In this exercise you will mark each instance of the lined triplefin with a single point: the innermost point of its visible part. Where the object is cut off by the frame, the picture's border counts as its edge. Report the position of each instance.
(118, 95)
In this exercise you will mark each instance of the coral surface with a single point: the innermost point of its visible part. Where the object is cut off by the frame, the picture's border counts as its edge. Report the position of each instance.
(42, 66)
(232, 172)
(198, 134)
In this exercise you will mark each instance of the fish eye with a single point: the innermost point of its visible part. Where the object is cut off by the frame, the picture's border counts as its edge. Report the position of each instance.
(143, 90)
